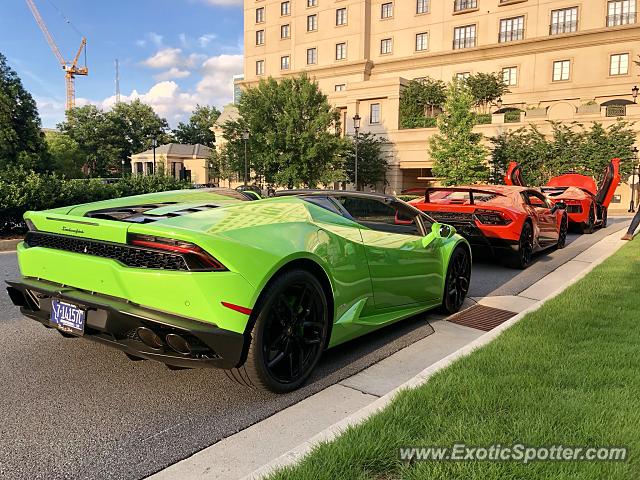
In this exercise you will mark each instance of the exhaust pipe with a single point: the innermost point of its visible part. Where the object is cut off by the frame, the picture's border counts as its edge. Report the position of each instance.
(178, 344)
(149, 338)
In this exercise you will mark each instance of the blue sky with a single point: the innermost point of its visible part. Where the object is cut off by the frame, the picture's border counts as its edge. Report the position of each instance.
(173, 54)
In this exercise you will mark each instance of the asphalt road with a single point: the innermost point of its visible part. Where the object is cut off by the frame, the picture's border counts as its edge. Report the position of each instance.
(73, 409)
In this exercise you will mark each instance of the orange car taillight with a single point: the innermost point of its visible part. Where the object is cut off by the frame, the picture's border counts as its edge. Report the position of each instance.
(491, 217)
(194, 256)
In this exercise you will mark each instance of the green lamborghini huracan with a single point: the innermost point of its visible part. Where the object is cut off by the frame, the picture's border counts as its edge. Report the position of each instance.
(208, 278)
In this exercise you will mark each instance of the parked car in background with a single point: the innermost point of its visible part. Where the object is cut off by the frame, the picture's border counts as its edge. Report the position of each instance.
(512, 223)
(587, 203)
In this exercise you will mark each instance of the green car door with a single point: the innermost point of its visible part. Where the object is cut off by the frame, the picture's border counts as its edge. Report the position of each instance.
(403, 271)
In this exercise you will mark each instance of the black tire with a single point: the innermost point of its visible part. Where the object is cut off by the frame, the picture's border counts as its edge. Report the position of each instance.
(289, 334)
(564, 228)
(590, 226)
(456, 285)
(522, 258)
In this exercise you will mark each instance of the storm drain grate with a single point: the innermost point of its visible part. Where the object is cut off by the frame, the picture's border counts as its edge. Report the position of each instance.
(481, 317)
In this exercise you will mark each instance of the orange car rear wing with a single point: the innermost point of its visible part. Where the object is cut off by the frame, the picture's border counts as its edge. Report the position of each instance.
(470, 190)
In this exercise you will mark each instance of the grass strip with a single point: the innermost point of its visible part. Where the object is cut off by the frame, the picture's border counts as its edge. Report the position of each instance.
(568, 373)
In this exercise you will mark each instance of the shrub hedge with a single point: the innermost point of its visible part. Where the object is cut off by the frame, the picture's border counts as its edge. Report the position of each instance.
(22, 190)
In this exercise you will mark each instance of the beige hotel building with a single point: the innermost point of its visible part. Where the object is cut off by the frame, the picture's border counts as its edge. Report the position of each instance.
(565, 60)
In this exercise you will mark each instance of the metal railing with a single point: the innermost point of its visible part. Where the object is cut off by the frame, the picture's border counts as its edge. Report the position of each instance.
(563, 27)
(468, 42)
(460, 5)
(622, 19)
(511, 35)
(616, 110)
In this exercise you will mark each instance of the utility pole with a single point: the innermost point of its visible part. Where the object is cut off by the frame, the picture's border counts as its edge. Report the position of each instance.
(117, 82)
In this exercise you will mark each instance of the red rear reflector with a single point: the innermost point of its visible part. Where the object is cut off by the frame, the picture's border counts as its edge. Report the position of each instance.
(237, 308)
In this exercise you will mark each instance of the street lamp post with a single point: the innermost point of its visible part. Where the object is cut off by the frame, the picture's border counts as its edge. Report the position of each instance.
(634, 92)
(122, 168)
(356, 128)
(154, 144)
(245, 137)
(632, 206)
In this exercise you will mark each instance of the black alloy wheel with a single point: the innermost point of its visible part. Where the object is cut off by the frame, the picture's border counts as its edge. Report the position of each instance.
(289, 335)
(590, 226)
(457, 281)
(522, 258)
(564, 228)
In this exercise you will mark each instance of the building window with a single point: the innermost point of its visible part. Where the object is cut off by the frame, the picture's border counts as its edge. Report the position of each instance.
(619, 64)
(341, 87)
(422, 6)
(461, 5)
(312, 23)
(312, 3)
(511, 29)
(285, 31)
(312, 56)
(285, 8)
(260, 67)
(422, 41)
(386, 46)
(462, 76)
(341, 51)
(285, 62)
(387, 10)
(260, 15)
(374, 113)
(561, 70)
(260, 37)
(464, 37)
(564, 21)
(510, 76)
(341, 16)
(621, 12)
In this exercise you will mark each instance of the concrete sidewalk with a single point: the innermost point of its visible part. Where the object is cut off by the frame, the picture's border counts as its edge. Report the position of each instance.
(288, 435)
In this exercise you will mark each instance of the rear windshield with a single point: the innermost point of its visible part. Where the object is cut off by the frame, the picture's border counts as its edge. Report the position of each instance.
(459, 197)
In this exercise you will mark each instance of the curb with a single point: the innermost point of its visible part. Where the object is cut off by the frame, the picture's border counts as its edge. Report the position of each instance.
(296, 454)
(9, 245)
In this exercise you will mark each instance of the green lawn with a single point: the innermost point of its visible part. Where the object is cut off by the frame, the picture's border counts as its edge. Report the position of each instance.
(567, 374)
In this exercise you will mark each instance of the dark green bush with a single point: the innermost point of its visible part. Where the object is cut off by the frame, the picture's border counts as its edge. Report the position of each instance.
(22, 190)
(408, 198)
(512, 116)
(483, 118)
(418, 122)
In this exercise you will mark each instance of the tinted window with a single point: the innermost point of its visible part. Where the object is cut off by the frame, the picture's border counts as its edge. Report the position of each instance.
(536, 200)
(324, 202)
(379, 215)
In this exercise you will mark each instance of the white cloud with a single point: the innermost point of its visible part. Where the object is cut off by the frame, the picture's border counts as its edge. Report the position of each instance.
(172, 73)
(51, 111)
(172, 57)
(150, 37)
(206, 39)
(175, 104)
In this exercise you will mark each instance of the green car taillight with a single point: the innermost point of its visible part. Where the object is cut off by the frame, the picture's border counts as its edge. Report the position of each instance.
(195, 257)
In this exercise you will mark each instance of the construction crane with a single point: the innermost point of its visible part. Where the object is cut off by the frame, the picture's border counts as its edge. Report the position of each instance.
(71, 69)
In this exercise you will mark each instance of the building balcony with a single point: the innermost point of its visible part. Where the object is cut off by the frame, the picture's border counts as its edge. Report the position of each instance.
(463, 5)
(511, 36)
(460, 43)
(564, 27)
(622, 19)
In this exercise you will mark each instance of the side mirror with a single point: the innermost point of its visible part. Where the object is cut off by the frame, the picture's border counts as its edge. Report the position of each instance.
(438, 230)
(558, 206)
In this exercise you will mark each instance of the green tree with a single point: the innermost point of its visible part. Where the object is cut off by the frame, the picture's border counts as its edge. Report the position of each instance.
(420, 101)
(527, 146)
(106, 139)
(21, 139)
(458, 154)
(486, 88)
(372, 163)
(198, 128)
(293, 133)
(66, 157)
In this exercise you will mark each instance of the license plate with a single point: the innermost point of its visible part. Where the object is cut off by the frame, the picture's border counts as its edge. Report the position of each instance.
(68, 317)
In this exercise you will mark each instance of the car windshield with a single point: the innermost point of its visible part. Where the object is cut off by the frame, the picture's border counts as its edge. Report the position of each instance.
(444, 196)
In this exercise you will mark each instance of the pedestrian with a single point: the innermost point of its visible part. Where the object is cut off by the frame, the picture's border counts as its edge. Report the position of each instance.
(632, 228)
